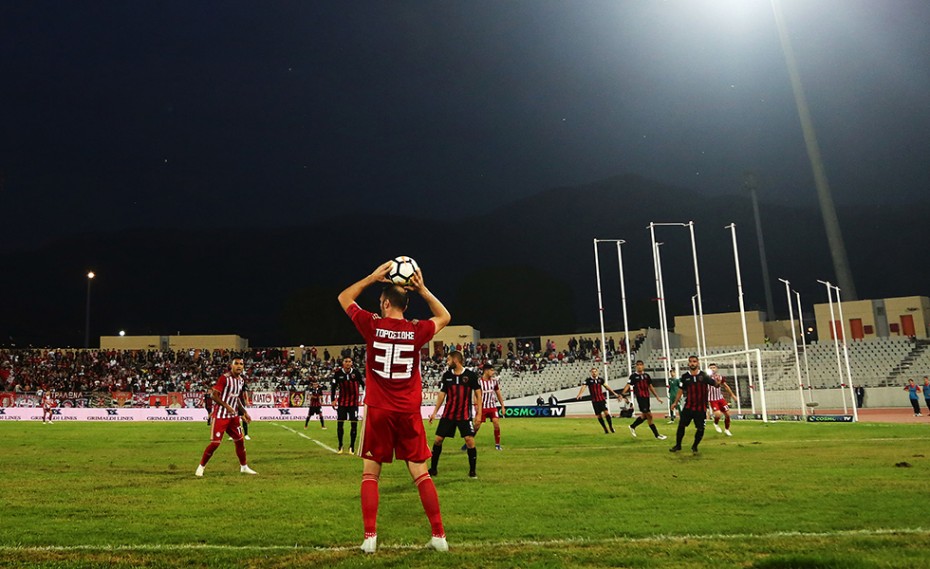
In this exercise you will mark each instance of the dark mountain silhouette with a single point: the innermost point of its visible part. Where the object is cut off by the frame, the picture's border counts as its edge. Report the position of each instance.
(533, 257)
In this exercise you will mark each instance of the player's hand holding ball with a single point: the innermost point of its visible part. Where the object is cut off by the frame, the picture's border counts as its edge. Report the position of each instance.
(381, 274)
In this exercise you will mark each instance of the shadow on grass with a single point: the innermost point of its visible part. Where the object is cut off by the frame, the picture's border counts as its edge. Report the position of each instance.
(811, 562)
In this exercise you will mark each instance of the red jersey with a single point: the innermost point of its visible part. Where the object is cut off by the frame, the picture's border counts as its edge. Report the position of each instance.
(596, 388)
(392, 359)
(714, 392)
(640, 383)
(229, 388)
(459, 390)
(488, 392)
(346, 388)
(696, 388)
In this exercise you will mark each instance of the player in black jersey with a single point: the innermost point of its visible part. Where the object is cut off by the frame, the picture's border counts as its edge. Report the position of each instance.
(641, 385)
(316, 405)
(459, 389)
(694, 386)
(596, 387)
(346, 397)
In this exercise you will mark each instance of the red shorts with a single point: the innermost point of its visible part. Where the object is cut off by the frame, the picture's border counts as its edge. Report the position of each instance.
(719, 405)
(391, 434)
(487, 414)
(231, 426)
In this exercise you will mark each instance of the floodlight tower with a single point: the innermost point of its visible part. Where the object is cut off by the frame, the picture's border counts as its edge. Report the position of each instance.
(827, 208)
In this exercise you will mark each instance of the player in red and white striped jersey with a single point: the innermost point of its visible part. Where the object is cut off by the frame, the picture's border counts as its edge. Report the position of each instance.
(228, 399)
(490, 396)
(48, 403)
(717, 401)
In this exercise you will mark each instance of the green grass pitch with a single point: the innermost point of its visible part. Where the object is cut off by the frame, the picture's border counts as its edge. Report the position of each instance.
(561, 494)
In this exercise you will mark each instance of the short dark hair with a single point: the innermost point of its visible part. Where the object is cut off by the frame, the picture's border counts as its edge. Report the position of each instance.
(694, 356)
(640, 362)
(457, 355)
(396, 295)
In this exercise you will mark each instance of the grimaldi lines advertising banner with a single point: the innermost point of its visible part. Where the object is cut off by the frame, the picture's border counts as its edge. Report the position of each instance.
(165, 407)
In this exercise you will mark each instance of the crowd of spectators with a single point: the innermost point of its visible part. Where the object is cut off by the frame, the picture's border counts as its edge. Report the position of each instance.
(159, 371)
(165, 371)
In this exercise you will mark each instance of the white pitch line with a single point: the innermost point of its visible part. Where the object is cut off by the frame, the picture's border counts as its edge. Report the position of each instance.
(286, 428)
(475, 545)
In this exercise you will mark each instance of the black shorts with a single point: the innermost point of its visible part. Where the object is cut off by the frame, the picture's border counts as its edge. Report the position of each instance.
(447, 428)
(643, 404)
(349, 413)
(314, 411)
(599, 406)
(687, 415)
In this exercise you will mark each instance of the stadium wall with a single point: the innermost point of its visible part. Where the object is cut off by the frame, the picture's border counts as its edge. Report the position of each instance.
(878, 318)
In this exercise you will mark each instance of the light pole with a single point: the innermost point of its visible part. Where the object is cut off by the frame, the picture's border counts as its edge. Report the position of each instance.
(852, 390)
(702, 341)
(742, 306)
(90, 278)
(830, 288)
(600, 308)
(794, 342)
(827, 209)
(807, 370)
(626, 324)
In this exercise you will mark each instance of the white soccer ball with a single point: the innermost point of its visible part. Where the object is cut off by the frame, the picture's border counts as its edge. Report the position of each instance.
(402, 270)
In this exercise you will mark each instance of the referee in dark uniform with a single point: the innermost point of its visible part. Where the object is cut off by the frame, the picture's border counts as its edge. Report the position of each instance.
(694, 385)
(346, 395)
(459, 389)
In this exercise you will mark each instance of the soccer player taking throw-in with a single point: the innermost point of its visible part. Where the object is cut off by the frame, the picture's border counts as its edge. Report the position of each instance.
(393, 425)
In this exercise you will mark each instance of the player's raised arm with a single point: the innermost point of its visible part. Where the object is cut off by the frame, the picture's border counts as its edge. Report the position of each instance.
(379, 275)
(726, 386)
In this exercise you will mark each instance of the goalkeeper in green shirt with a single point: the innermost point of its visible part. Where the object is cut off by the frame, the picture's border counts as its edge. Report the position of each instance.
(674, 385)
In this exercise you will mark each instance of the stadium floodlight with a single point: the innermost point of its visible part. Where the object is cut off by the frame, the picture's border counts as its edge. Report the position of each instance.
(122, 333)
(90, 277)
(794, 344)
(827, 208)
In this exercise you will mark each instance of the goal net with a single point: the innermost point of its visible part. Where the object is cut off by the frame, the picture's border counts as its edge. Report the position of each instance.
(764, 382)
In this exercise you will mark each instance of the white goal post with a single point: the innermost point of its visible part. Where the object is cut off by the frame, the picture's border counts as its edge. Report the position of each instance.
(748, 372)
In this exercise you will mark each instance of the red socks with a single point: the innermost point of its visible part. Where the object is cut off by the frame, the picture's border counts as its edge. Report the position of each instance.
(430, 501)
(726, 423)
(497, 435)
(370, 504)
(208, 452)
(240, 452)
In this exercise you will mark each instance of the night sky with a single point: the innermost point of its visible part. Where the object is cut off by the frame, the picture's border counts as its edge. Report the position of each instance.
(260, 114)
